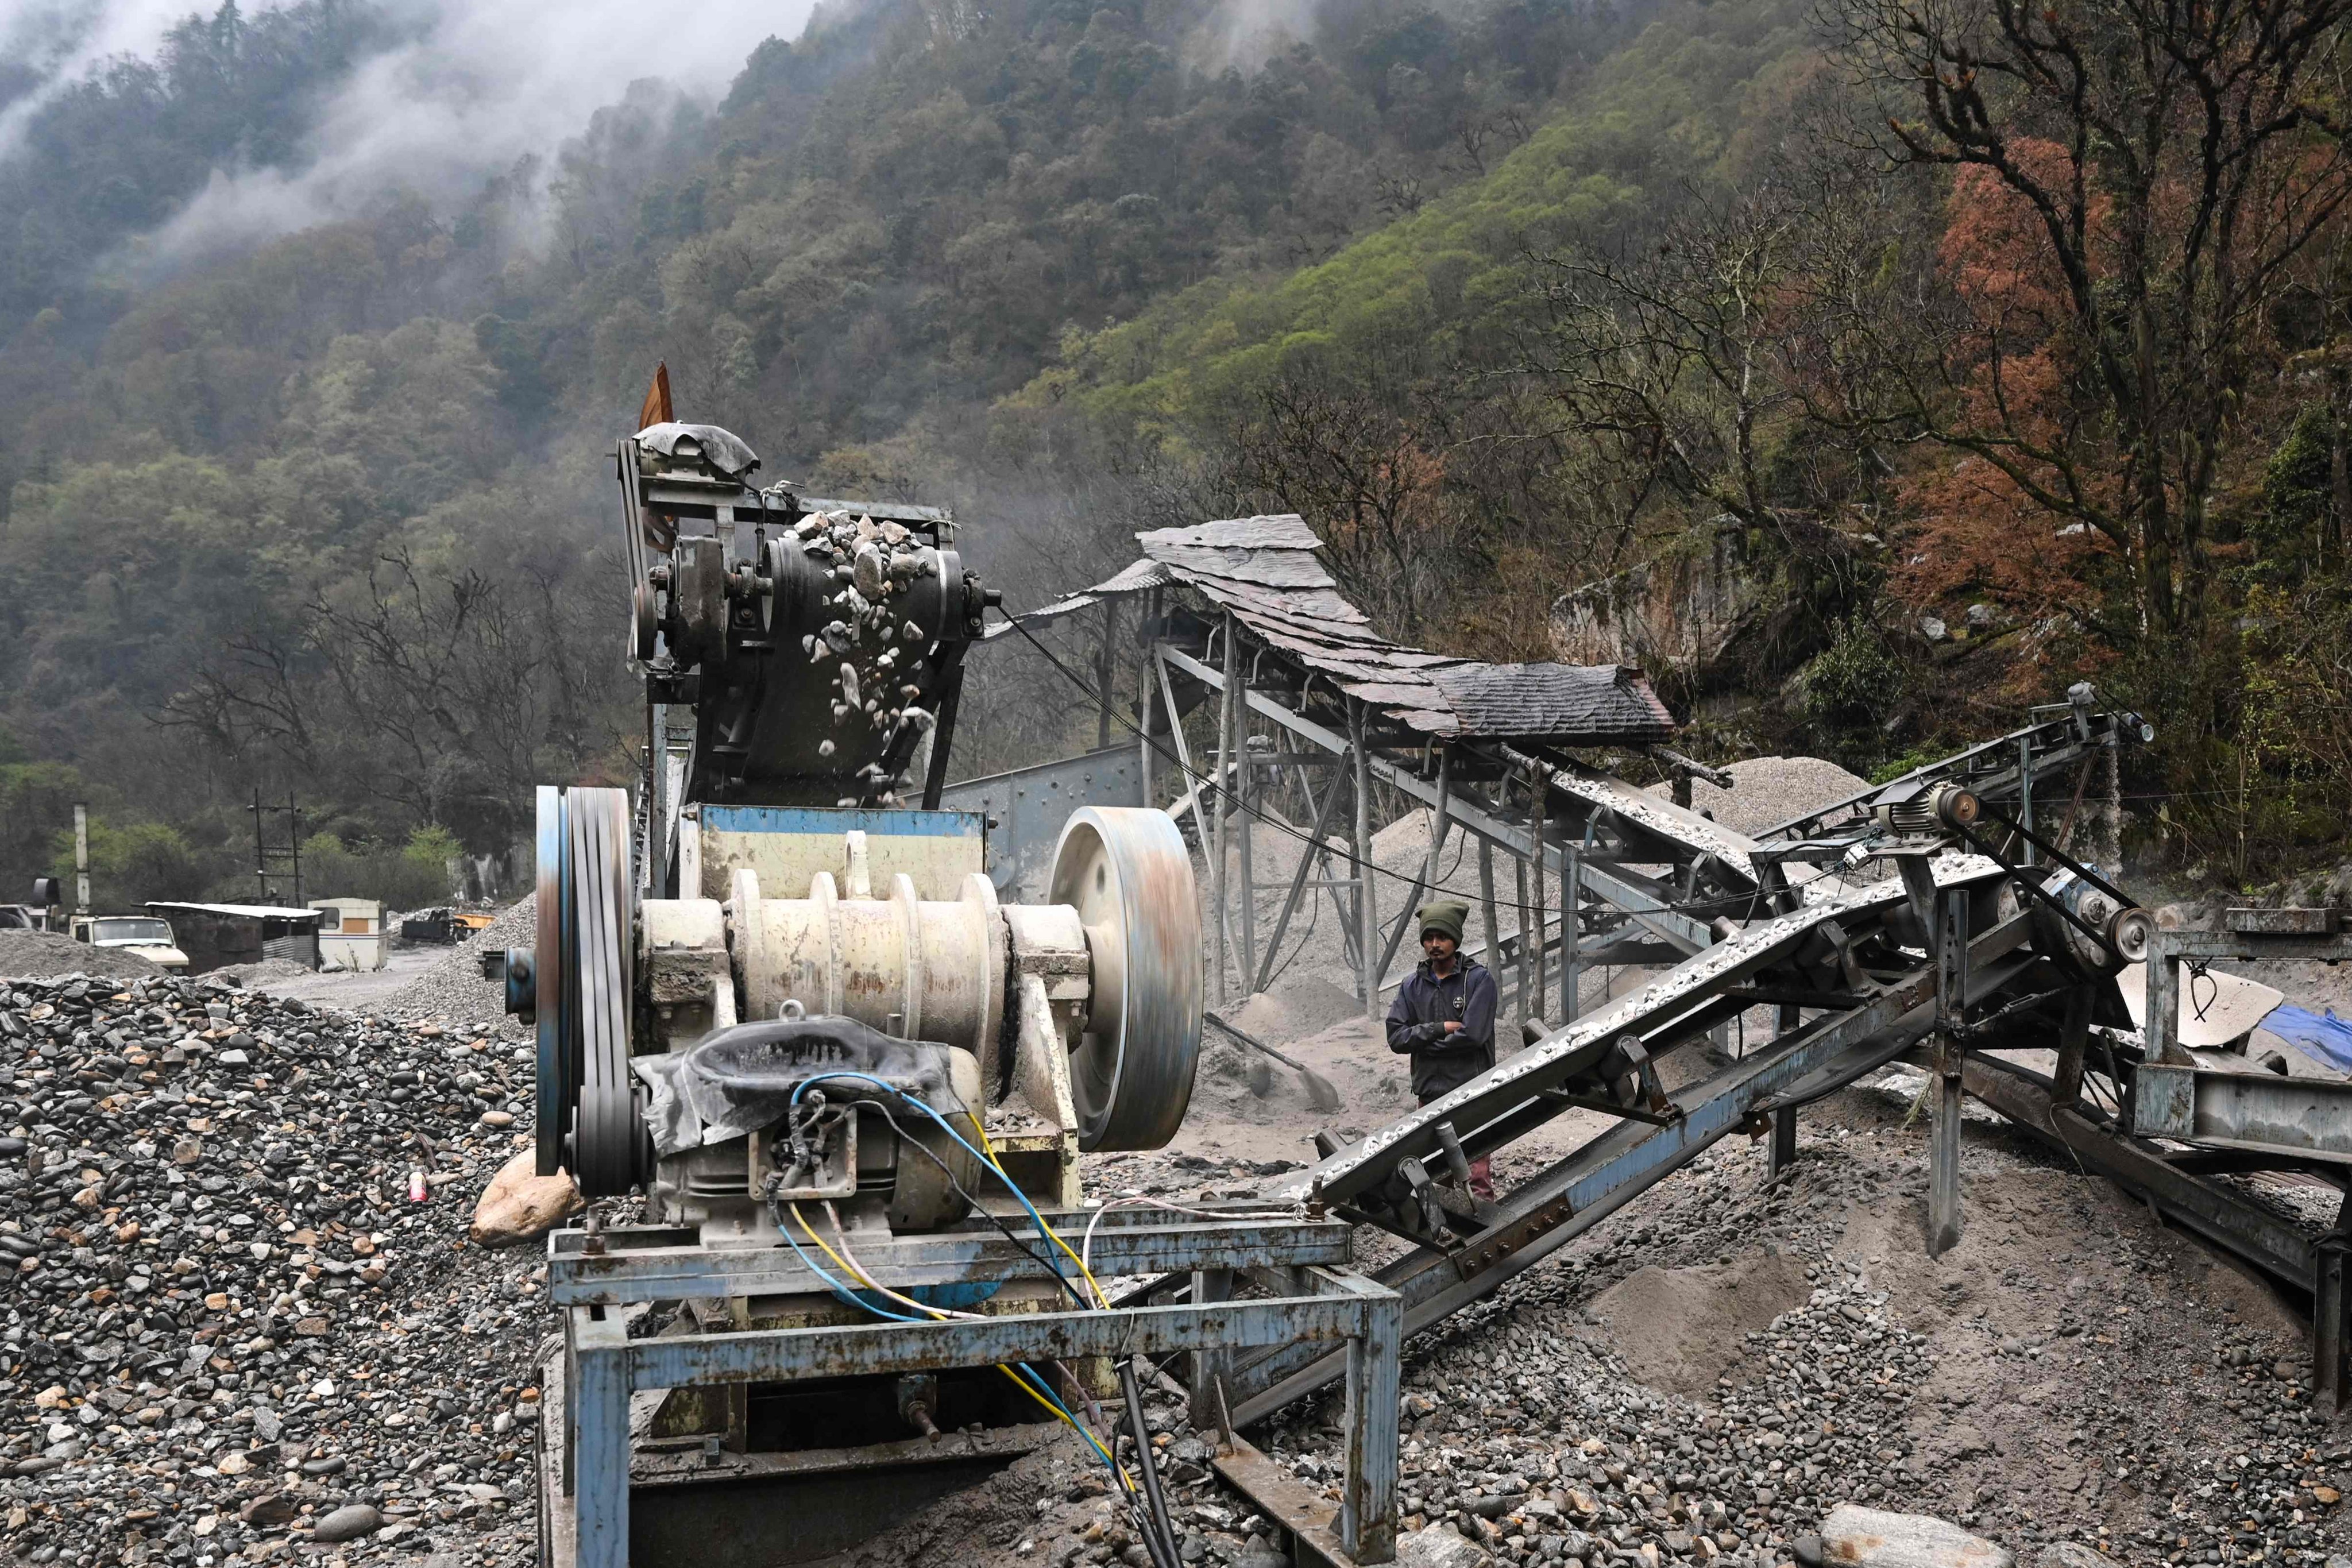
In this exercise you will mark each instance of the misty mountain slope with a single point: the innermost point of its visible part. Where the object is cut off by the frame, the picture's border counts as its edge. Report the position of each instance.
(1701, 87)
(117, 153)
(907, 209)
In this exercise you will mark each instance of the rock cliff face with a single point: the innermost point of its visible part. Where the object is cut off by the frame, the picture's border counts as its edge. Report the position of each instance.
(1684, 612)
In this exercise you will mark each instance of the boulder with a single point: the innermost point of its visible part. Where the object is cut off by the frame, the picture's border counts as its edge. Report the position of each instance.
(1866, 1538)
(1439, 1546)
(519, 1204)
(2072, 1554)
(347, 1523)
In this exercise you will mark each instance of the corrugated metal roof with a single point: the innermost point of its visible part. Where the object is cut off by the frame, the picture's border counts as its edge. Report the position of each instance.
(246, 912)
(1264, 569)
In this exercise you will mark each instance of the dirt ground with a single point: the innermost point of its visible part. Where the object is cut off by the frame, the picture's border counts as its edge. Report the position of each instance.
(2073, 1371)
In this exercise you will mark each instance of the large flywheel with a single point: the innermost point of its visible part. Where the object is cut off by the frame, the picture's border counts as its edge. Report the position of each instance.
(1126, 871)
(588, 1122)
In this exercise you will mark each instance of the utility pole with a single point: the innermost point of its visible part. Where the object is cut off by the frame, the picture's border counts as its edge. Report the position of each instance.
(82, 858)
(290, 859)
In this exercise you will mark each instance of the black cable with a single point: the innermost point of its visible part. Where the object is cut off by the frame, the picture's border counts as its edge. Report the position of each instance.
(1164, 1550)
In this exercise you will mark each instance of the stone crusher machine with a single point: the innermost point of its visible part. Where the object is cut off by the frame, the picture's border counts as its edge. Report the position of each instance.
(849, 1085)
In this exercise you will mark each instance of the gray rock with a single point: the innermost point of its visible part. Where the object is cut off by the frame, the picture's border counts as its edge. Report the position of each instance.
(348, 1523)
(2071, 1554)
(1438, 1546)
(1868, 1538)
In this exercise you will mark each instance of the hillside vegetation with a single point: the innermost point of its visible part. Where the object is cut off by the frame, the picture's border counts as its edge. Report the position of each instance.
(1504, 296)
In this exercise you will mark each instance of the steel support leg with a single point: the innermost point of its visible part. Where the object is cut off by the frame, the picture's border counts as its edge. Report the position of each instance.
(599, 1417)
(1784, 1141)
(1944, 1149)
(2331, 1377)
(1944, 1076)
(1784, 1119)
(1368, 1496)
(2074, 1041)
(1211, 1369)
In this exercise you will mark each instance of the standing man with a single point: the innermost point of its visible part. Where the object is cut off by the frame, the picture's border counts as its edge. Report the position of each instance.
(1444, 1016)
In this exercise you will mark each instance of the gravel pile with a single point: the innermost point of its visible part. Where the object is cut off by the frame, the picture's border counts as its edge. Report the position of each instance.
(49, 952)
(454, 991)
(1767, 791)
(229, 1332)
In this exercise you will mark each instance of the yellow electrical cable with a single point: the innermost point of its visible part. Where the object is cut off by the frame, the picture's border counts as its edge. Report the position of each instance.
(938, 1314)
(989, 1149)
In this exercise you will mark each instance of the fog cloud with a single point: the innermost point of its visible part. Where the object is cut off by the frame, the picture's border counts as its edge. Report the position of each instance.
(476, 85)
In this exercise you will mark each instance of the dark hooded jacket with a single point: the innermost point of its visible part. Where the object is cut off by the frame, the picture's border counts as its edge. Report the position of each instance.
(1442, 1062)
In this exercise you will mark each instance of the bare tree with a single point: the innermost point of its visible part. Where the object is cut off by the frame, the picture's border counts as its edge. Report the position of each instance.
(1663, 362)
(1368, 468)
(446, 696)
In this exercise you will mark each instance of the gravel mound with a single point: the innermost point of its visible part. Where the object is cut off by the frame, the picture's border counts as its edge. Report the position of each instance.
(453, 990)
(225, 1321)
(49, 952)
(1767, 791)
(245, 975)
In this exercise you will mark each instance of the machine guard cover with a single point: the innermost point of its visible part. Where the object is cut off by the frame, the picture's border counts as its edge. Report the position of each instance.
(741, 1080)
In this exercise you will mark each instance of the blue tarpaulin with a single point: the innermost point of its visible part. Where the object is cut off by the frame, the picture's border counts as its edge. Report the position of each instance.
(2323, 1035)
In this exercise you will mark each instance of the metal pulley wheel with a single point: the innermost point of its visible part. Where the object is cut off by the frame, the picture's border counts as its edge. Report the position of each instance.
(2125, 930)
(588, 1122)
(1126, 871)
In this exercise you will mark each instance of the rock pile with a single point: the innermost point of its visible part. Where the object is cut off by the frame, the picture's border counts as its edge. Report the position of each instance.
(454, 991)
(238, 1312)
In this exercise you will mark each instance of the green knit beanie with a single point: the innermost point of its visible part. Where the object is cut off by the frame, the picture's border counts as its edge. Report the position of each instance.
(1445, 917)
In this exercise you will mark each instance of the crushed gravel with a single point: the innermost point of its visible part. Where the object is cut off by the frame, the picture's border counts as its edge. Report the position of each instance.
(225, 1329)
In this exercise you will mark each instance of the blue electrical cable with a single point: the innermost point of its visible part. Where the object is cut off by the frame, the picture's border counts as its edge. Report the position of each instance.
(847, 1295)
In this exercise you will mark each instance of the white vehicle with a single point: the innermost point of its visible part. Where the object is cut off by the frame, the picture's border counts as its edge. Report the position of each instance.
(145, 935)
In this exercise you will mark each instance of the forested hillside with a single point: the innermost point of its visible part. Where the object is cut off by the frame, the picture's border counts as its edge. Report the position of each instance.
(1503, 295)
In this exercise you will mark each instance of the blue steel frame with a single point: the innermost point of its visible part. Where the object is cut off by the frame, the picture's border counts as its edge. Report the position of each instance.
(602, 1366)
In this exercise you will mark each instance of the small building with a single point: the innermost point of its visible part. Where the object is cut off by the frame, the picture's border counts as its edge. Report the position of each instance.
(351, 933)
(214, 936)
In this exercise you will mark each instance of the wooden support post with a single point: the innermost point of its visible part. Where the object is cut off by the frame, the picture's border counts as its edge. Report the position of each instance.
(1535, 802)
(1571, 933)
(1439, 821)
(1368, 915)
(1143, 685)
(1105, 668)
(1944, 1078)
(1527, 939)
(1246, 815)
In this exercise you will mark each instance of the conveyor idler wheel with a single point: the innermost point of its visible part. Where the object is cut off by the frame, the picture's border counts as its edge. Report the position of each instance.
(588, 1120)
(1126, 871)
